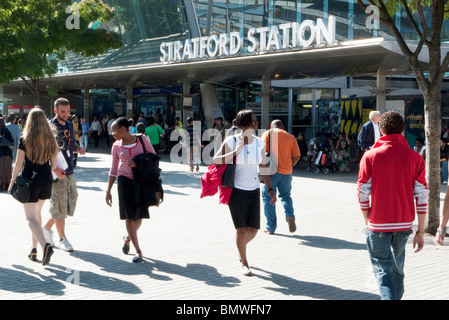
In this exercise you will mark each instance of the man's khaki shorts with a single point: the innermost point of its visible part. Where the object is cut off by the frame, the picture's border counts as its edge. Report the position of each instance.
(64, 195)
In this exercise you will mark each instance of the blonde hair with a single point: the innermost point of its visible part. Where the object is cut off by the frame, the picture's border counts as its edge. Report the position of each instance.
(39, 138)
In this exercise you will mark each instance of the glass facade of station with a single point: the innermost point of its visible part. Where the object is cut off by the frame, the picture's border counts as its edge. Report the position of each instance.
(145, 24)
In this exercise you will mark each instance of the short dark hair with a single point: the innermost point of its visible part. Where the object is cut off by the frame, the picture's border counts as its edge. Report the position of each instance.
(244, 118)
(189, 120)
(140, 127)
(61, 102)
(391, 122)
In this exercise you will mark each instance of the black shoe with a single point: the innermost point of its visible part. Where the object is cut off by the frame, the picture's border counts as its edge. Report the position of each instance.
(33, 254)
(137, 258)
(48, 251)
(125, 247)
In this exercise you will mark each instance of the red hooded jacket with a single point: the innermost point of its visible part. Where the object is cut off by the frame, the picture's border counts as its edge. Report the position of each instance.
(393, 175)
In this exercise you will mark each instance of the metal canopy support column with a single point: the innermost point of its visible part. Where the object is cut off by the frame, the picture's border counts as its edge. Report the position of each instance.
(314, 124)
(87, 104)
(290, 110)
(186, 101)
(129, 100)
(192, 18)
(381, 96)
(265, 107)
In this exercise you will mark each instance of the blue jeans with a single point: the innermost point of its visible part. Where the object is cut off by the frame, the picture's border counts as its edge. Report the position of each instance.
(387, 254)
(282, 185)
(444, 170)
(84, 141)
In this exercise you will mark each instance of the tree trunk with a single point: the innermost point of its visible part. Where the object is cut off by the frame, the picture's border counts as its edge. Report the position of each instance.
(432, 113)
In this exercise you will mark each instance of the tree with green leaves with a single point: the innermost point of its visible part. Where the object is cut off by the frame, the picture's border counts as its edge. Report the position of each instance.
(428, 28)
(36, 34)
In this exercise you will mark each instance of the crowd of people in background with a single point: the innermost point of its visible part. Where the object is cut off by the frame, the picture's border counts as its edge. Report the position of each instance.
(33, 145)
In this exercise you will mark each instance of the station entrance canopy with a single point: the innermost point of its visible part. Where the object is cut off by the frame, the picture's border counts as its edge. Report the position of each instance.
(350, 58)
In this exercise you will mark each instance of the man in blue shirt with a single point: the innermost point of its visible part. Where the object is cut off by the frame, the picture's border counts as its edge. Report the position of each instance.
(85, 129)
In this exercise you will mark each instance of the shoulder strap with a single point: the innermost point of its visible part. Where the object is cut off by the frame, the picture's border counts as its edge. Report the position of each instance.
(143, 144)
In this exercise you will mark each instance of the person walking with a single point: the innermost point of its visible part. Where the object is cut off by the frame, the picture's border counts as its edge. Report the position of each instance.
(390, 216)
(244, 203)
(284, 147)
(95, 129)
(370, 132)
(64, 193)
(192, 136)
(37, 156)
(77, 131)
(154, 133)
(6, 146)
(85, 132)
(15, 132)
(124, 149)
(442, 228)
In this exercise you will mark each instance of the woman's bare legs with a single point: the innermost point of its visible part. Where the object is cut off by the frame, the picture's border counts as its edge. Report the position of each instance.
(243, 237)
(34, 218)
(132, 227)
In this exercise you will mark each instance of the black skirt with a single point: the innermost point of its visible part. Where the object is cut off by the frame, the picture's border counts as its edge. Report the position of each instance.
(245, 208)
(42, 184)
(126, 201)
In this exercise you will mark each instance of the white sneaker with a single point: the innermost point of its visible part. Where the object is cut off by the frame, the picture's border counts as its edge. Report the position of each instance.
(246, 271)
(65, 245)
(48, 234)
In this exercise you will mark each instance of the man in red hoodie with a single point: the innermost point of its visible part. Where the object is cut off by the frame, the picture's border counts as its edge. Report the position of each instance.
(393, 176)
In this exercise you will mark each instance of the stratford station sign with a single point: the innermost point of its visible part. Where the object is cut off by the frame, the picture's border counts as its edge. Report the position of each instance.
(292, 35)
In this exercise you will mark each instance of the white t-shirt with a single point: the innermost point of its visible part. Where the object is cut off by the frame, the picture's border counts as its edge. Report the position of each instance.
(248, 161)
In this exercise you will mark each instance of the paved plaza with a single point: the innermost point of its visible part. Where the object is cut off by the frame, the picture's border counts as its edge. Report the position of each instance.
(190, 252)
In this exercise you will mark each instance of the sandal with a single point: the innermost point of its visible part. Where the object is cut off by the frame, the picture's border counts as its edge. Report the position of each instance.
(33, 254)
(125, 247)
(138, 257)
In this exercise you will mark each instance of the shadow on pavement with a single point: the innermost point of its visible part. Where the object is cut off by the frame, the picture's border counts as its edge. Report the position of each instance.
(291, 286)
(324, 242)
(200, 272)
(30, 282)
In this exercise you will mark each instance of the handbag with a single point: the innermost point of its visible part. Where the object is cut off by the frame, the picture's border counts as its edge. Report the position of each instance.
(5, 142)
(153, 191)
(271, 166)
(21, 190)
(227, 178)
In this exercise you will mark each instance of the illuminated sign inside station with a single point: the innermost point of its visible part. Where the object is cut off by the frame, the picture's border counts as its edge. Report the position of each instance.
(260, 40)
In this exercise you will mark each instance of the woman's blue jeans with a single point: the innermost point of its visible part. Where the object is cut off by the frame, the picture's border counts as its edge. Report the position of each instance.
(282, 186)
(387, 254)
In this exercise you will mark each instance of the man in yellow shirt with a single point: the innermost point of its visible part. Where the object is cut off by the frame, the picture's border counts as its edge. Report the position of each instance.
(286, 151)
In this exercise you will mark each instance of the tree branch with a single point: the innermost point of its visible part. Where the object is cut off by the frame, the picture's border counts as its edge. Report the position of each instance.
(27, 84)
(412, 20)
